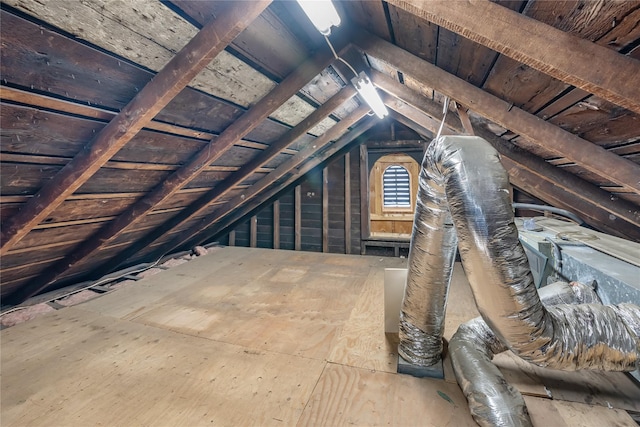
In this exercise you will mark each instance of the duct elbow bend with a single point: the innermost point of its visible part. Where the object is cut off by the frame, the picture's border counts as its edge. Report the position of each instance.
(477, 193)
(463, 183)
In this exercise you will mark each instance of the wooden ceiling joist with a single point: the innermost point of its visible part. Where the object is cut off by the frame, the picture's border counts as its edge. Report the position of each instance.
(584, 153)
(336, 133)
(221, 189)
(554, 52)
(181, 177)
(183, 67)
(595, 203)
(226, 221)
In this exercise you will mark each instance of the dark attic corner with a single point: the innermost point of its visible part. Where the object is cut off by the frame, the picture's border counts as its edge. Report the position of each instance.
(320, 212)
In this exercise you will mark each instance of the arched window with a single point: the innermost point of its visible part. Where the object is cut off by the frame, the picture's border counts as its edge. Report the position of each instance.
(396, 187)
(393, 185)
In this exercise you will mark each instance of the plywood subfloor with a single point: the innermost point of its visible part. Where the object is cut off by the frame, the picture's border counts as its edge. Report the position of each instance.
(253, 337)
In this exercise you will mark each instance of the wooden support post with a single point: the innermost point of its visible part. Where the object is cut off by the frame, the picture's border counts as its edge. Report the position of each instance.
(232, 238)
(153, 97)
(253, 232)
(364, 197)
(464, 118)
(554, 52)
(347, 203)
(325, 209)
(297, 224)
(590, 156)
(276, 224)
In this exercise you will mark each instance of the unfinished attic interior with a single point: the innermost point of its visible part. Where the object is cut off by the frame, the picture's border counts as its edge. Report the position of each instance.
(402, 212)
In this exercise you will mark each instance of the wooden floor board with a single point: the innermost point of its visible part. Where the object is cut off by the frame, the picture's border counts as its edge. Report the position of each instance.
(558, 413)
(114, 372)
(363, 342)
(268, 302)
(132, 300)
(353, 396)
(260, 337)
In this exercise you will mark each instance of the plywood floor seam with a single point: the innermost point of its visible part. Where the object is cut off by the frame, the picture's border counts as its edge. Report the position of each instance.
(259, 337)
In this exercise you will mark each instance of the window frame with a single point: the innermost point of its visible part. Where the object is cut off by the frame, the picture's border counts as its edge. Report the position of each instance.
(376, 193)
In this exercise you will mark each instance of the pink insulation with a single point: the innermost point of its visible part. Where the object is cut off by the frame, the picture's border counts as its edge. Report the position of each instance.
(78, 297)
(25, 314)
(174, 262)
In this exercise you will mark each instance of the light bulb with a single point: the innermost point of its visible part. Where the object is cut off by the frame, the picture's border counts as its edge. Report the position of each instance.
(365, 88)
(322, 14)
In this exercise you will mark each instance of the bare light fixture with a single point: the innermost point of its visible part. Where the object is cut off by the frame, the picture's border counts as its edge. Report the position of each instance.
(322, 14)
(366, 89)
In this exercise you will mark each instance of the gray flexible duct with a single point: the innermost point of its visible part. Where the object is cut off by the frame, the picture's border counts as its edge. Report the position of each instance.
(462, 179)
(492, 401)
(430, 265)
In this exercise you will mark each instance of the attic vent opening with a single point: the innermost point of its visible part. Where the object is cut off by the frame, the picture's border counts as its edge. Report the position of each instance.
(396, 187)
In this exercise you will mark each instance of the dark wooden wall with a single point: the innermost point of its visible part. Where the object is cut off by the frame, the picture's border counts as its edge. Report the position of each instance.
(320, 217)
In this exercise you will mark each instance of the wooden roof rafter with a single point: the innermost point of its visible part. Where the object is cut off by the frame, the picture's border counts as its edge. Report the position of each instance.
(174, 77)
(594, 204)
(337, 136)
(91, 111)
(215, 194)
(178, 179)
(420, 130)
(554, 52)
(233, 215)
(584, 153)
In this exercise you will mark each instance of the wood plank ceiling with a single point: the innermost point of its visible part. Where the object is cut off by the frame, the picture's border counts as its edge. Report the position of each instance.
(123, 139)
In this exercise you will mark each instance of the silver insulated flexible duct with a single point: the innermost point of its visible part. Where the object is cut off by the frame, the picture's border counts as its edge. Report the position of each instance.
(492, 401)
(463, 183)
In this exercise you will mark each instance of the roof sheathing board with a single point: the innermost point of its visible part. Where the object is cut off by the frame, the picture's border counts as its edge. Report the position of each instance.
(148, 33)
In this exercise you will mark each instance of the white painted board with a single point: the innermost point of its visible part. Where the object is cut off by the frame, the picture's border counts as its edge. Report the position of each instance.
(394, 284)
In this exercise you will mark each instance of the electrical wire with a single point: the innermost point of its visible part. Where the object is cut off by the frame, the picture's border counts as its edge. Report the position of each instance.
(338, 58)
(445, 108)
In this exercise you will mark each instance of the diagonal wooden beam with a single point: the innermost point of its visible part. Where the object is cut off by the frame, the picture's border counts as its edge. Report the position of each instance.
(579, 62)
(589, 156)
(232, 215)
(174, 77)
(599, 208)
(178, 179)
(590, 201)
(419, 129)
(221, 189)
(547, 191)
(339, 132)
(419, 119)
(559, 188)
